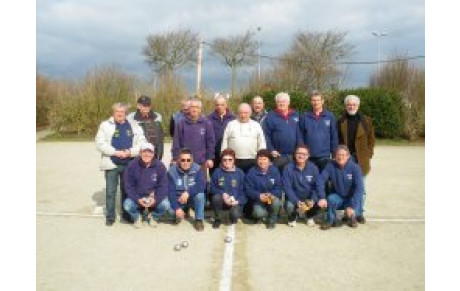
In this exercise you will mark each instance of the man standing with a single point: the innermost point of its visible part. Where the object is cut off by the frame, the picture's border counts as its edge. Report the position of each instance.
(146, 185)
(219, 120)
(347, 185)
(319, 131)
(245, 137)
(177, 116)
(281, 130)
(186, 188)
(118, 140)
(357, 132)
(150, 122)
(195, 132)
(258, 109)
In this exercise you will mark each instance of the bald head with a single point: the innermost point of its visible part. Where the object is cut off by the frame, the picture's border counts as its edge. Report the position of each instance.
(244, 112)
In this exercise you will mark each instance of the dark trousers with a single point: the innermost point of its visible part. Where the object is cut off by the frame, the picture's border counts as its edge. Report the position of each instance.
(245, 164)
(218, 205)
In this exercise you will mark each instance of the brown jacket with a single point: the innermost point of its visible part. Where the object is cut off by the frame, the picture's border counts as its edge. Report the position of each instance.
(364, 141)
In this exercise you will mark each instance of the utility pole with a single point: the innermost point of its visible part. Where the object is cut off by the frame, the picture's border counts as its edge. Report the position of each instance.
(198, 70)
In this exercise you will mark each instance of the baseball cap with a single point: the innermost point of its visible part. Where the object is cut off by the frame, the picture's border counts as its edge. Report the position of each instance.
(144, 100)
(147, 146)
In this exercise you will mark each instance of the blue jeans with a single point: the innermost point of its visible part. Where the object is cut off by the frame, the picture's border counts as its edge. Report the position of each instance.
(355, 159)
(111, 184)
(134, 209)
(261, 210)
(197, 203)
(336, 202)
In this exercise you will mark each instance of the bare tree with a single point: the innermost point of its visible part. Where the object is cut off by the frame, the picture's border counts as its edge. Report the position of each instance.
(312, 62)
(236, 51)
(170, 51)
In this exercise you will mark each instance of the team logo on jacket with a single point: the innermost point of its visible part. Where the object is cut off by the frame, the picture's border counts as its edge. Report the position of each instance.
(191, 181)
(179, 182)
(233, 183)
(350, 176)
(154, 177)
(296, 119)
(327, 122)
(221, 181)
(309, 178)
(129, 132)
(202, 130)
(273, 181)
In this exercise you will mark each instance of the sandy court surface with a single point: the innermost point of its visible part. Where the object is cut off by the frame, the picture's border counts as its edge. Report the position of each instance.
(76, 251)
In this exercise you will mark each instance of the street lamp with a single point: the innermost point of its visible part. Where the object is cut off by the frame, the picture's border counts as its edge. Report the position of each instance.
(378, 35)
(258, 53)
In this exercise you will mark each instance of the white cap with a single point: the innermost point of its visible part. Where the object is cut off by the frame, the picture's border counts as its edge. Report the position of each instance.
(147, 146)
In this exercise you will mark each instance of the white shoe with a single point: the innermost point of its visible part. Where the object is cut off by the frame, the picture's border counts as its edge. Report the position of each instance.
(311, 222)
(292, 223)
(138, 222)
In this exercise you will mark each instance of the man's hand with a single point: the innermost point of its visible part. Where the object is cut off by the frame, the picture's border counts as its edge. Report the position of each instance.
(322, 203)
(275, 154)
(180, 213)
(263, 197)
(209, 164)
(350, 212)
(184, 197)
(151, 202)
(310, 203)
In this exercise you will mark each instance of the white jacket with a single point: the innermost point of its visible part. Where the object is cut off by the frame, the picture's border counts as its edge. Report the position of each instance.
(104, 142)
(244, 138)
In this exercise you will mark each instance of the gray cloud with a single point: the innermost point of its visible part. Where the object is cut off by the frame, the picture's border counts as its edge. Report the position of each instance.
(75, 35)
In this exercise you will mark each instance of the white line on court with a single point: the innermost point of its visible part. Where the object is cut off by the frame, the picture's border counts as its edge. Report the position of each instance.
(369, 219)
(227, 265)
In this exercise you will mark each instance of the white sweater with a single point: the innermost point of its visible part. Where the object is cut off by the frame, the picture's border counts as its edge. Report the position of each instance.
(244, 138)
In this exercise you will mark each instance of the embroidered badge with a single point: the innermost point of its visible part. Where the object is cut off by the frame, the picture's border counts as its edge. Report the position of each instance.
(309, 178)
(154, 177)
(233, 183)
(327, 122)
(273, 181)
(221, 181)
(350, 176)
(202, 131)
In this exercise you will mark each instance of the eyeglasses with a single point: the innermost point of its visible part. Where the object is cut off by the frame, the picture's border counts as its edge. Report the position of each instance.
(186, 160)
(227, 160)
(301, 154)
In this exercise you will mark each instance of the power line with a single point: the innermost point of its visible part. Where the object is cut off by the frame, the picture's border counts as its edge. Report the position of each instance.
(300, 61)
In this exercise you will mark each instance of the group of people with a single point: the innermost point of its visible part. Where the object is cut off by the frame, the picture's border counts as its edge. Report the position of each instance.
(250, 163)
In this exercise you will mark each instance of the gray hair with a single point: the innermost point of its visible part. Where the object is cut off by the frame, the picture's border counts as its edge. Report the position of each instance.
(258, 97)
(341, 147)
(120, 105)
(282, 95)
(198, 101)
(244, 105)
(351, 97)
(315, 93)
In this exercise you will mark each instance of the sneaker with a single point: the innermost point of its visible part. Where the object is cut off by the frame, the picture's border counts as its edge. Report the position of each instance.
(353, 222)
(361, 219)
(216, 223)
(138, 222)
(325, 226)
(153, 222)
(270, 225)
(292, 223)
(310, 222)
(198, 225)
(109, 222)
(345, 219)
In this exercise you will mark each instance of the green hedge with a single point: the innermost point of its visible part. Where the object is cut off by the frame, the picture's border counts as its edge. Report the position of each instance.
(383, 106)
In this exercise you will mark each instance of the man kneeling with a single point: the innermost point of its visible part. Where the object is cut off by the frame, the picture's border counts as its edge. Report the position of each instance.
(146, 186)
(347, 185)
(186, 188)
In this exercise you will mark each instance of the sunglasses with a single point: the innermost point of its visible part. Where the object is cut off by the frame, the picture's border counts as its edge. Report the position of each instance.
(186, 160)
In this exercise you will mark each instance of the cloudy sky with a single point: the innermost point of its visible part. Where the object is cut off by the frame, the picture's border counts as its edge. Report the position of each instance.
(74, 36)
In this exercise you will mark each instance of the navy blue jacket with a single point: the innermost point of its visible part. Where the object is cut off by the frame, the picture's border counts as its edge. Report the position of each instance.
(179, 181)
(347, 182)
(257, 182)
(302, 184)
(219, 125)
(230, 182)
(140, 180)
(320, 135)
(122, 139)
(197, 136)
(280, 134)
